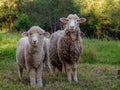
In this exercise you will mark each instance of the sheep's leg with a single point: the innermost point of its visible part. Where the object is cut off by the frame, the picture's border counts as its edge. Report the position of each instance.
(20, 72)
(48, 62)
(49, 67)
(44, 64)
(75, 72)
(32, 77)
(64, 67)
(53, 68)
(39, 75)
(68, 70)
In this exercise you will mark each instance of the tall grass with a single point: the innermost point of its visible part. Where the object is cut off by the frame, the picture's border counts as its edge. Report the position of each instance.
(95, 70)
(101, 51)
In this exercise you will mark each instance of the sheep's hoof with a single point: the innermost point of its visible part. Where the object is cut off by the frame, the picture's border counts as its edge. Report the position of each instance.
(76, 80)
(32, 84)
(69, 80)
(39, 84)
(51, 72)
(20, 79)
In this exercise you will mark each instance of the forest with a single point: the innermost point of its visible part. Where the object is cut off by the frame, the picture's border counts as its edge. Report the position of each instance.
(103, 16)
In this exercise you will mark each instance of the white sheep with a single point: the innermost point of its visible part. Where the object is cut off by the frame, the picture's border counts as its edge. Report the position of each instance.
(46, 60)
(66, 46)
(30, 54)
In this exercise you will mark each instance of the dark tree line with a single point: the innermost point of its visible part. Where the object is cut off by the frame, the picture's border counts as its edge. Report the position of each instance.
(103, 16)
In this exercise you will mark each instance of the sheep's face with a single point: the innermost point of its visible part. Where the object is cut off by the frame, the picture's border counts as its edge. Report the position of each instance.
(35, 35)
(72, 21)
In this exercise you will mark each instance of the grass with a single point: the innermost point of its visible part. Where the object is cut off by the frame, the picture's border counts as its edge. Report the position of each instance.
(97, 68)
(101, 51)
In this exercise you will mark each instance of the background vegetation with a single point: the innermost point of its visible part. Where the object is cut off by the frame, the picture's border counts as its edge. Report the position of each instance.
(103, 16)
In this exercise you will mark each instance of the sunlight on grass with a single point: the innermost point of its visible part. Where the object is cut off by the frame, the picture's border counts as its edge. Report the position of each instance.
(100, 51)
(8, 42)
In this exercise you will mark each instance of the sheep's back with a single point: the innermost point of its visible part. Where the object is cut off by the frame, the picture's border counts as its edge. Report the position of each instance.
(20, 57)
(53, 49)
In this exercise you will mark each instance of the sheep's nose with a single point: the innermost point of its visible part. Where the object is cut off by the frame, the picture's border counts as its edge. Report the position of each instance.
(34, 42)
(72, 27)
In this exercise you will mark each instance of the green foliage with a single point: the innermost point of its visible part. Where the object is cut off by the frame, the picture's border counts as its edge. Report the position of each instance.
(22, 23)
(8, 13)
(103, 16)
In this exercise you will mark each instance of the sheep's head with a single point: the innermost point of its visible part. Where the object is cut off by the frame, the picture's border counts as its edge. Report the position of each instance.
(35, 35)
(72, 21)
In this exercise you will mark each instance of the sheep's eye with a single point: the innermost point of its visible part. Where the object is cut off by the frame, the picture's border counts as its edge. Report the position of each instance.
(30, 33)
(67, 20)
(40, 34)
(78, 20)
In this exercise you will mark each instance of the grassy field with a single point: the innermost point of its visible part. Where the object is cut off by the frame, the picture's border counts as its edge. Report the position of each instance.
(97, 68)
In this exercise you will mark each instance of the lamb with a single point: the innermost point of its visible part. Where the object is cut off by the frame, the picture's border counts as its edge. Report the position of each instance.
(30, 54)
(66, 46)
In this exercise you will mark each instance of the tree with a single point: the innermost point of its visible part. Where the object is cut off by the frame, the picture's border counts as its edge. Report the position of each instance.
(46, 13)
(22, 23)
(103, 16)
(8, 13)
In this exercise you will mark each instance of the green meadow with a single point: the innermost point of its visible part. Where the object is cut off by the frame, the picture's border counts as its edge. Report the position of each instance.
(97, 68)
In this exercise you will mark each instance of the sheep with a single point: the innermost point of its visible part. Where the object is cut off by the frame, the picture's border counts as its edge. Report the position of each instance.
(46, 60)
(30, 54)
(66, 46)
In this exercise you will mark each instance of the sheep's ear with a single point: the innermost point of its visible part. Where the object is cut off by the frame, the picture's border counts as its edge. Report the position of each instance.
(46, 34)
(82, 20)
(64, 20)
(25, 34)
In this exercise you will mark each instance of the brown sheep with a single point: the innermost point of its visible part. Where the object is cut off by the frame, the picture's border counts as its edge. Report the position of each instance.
(66, 46)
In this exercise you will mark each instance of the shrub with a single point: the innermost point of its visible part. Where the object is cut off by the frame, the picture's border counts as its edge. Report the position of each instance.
(22, 23)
